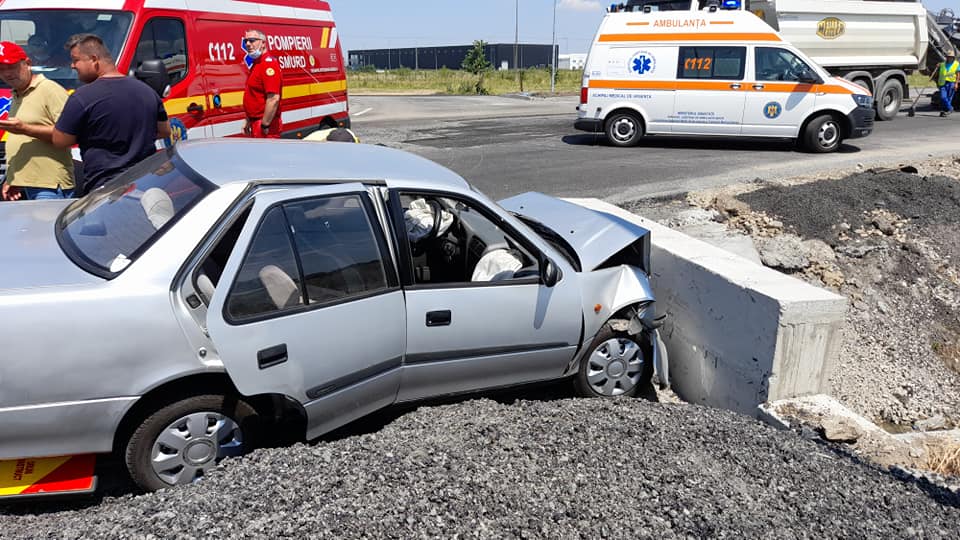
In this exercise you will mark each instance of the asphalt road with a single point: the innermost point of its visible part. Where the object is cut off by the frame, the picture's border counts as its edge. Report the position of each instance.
(508, 145)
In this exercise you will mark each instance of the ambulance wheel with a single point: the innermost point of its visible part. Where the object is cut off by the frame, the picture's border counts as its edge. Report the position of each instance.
(823, 134)
(183, 441)
(624, 128)
(617, 365)
(889, 99)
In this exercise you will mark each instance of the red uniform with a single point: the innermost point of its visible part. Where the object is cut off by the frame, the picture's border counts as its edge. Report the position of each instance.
(265, 77)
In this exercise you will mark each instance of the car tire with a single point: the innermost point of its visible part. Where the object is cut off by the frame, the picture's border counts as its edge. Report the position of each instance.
(182, 441)
(823, 134)
(624, 129)
(889, 99)
(616, 365)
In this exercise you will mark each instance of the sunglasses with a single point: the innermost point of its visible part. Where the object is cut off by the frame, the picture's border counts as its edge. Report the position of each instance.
(251, 39)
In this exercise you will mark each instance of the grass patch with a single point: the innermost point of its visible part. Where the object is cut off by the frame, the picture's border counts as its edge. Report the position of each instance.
(918, 81)
(944, 458)
(458, 82)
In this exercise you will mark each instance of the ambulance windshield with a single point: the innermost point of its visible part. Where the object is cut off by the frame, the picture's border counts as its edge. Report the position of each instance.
(43, 33)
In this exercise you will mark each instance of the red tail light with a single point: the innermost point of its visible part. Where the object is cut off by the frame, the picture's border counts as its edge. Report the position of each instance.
(583, 95)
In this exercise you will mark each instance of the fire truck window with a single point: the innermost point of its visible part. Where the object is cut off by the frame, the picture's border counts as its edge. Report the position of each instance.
(165, 39)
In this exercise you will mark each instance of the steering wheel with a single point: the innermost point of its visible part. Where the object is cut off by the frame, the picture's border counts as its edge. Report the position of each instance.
(420, 245)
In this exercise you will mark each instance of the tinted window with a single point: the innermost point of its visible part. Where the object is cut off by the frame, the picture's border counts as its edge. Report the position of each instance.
(712, 63)
(338, 250)
(775, 64)
(164, 39)
(109, 228)
(269, 280)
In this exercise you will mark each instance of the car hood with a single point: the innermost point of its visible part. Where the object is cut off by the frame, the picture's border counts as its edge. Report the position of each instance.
(595, 236)
(29, 254)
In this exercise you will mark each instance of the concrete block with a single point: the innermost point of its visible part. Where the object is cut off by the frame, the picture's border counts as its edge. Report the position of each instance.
(738, 334)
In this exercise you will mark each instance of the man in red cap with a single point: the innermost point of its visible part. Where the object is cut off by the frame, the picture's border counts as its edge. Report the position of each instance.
(35, 168)
(261, 97)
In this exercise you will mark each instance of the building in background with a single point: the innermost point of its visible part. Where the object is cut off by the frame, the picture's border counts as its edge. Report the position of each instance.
(500, 56)
(572, 61)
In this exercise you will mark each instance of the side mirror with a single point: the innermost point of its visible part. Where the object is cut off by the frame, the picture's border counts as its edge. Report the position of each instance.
(809, 77)
(550, 274)
(154, 74)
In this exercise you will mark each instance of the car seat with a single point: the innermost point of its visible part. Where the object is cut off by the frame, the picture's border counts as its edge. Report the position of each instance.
(281, 288)
(158, 206)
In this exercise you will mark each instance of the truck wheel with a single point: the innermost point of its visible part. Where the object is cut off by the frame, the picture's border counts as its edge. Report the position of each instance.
(823, 134)
(615, 366)
(624, 129)
(181, 442)
(889, 99)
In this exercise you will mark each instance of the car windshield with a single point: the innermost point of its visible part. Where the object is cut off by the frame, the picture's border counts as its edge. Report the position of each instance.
(109, 228)
(43, 32)
(552, 238)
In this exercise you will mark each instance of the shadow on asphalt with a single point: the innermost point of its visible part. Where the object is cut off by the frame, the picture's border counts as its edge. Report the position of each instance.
(703, 143)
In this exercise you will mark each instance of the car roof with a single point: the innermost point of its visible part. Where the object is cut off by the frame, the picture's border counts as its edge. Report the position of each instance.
(229, 160)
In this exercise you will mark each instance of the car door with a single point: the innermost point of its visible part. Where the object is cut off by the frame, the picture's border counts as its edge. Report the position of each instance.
(710, 97)
(478, 312)
(309, 305)
(777, 102)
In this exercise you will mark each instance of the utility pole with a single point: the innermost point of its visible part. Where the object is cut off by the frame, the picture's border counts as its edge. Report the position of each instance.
(516, 38)
(553, 51)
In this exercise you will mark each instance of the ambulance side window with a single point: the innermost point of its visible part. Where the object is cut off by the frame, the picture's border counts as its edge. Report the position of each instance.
(712, 63)
(775, 64)
(166, 39)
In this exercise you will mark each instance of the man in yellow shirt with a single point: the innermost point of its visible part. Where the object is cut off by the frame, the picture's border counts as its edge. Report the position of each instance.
(35, 168)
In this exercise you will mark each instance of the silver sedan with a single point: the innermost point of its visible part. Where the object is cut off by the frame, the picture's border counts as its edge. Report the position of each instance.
(180, 313)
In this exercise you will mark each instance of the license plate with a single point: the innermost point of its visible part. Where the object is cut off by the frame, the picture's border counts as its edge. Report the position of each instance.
(31, 477)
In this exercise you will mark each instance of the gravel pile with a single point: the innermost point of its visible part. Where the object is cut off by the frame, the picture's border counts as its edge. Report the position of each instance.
(531, 469)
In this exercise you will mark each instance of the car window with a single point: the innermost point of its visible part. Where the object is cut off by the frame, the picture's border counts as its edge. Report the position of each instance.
(112, 226)
(164, 39)
(775, 64)
(268, 280)
(452, 242)
(712, 63)
(338, 251)
(308, 252)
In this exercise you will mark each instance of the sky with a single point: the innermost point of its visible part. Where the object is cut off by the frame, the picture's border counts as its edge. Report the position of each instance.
(380, 24)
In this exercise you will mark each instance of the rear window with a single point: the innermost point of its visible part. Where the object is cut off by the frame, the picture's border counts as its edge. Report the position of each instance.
(109, 228)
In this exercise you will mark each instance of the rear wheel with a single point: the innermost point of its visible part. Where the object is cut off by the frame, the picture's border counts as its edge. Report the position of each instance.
(889, 99)
(181, 442)
(823, 134)
(624, 128)
(616, 365)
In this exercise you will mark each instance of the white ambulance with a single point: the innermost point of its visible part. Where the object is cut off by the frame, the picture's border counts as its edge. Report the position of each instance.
(712, 71)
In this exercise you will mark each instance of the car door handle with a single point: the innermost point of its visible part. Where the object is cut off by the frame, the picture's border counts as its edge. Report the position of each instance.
(735, 86)
(195, 108)
(439, 318)
(272, 356)
(758, 87)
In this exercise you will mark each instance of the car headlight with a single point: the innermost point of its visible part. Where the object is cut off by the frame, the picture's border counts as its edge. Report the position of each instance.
(863, 100)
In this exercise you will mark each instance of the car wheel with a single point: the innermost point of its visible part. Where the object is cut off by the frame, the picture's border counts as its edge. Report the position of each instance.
(823, 134)
(624, 129)
(889, 99)
(181, 442)
(615, 366)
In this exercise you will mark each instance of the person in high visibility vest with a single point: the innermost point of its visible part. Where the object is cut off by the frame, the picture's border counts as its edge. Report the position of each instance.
(946, 74)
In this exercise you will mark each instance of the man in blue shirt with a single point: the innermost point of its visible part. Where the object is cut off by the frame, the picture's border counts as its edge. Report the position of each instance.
(114, 119)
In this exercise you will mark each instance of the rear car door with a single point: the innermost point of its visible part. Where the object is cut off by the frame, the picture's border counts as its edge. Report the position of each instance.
(309, 305)
(710, 96)
(478, 314)
(777, 102)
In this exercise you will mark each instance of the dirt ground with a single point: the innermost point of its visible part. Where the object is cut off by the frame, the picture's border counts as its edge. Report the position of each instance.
(889, 240)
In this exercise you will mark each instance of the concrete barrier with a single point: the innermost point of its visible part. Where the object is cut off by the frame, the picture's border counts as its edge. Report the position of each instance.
(738, 334)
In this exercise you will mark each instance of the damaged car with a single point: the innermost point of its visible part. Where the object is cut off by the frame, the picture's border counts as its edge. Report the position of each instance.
(183, 312)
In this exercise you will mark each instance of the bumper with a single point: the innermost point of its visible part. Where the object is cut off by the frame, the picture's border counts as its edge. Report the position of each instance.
(861, 122)
(61, 429)
(593, 125)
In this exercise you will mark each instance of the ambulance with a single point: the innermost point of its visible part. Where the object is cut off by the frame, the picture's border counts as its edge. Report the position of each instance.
(700, 69)
(199, 43)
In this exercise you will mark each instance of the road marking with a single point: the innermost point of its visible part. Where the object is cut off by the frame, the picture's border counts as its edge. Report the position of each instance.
(363, 112)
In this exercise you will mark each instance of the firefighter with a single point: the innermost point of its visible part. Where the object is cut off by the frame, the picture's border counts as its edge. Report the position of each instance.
(261, 97)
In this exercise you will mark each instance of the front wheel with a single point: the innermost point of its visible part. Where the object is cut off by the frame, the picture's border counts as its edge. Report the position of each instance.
(181, 442)
(823, 134)
(624, 129)
(889, 99)
(615, 366)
